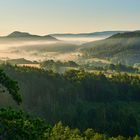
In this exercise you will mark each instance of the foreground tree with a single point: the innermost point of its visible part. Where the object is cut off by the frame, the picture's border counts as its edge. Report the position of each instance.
(11, 87)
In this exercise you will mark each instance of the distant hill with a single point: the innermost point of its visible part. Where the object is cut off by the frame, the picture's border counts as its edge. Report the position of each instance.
(120, 48)
(20, 34)
(94, 34)
(27, 36)
(127, 35)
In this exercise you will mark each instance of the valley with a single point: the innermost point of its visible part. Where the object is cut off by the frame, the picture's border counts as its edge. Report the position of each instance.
(69, 69)
(60, 79)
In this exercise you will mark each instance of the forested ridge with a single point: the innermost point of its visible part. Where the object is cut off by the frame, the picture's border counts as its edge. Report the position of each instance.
(107, 104)
(120, 48)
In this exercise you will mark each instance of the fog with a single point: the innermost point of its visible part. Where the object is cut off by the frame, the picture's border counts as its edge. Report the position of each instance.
(79, 40)
(65, 49)
(5, 45)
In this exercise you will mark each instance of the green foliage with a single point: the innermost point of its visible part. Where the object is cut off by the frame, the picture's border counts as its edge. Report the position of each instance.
(107, 119)
(60, 132)
(56, 66)
(11, 86)
(82, 100)
(122, 68)
(17, 125)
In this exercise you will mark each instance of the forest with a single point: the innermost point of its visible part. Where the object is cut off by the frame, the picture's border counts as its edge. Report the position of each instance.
(119, 48)
(73, 105)
(70, 70)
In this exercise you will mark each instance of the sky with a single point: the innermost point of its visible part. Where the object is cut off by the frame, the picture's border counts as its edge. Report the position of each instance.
(68, 16)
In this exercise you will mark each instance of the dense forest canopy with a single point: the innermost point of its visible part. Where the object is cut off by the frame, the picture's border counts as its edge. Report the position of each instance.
(108, 104)
(18, 125)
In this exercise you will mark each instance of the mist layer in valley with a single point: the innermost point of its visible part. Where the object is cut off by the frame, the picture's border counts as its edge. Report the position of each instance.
(102, 47)
(36, 48)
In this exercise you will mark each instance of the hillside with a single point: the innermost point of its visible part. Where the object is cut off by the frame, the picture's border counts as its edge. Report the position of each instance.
(120, 48)
(94, 34)
(126, 35)
(80, 99)
(27, 36)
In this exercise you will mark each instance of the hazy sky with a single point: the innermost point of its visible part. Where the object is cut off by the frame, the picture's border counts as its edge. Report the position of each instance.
(54, 16)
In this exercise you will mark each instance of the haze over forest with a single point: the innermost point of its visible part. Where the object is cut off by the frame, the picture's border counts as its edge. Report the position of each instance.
(69, 70)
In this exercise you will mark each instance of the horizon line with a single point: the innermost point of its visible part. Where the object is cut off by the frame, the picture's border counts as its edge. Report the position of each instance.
(121, 30)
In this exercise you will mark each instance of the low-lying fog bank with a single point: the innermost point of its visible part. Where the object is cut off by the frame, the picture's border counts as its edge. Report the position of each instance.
(65, 49)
